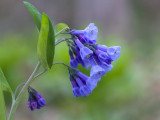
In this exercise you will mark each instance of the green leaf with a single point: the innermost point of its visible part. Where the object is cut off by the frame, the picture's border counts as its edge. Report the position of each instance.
(34, 13)
(50, 44)
(42, 42)
(3, 86)
(4, 83)
(3, 115)
(61, 27)
(46, 47)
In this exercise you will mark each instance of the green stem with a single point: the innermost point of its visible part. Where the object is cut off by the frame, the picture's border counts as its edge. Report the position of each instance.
(16, 102)
(61, 63)
(61, 31)
(18, 88)
(39, 74)
(19, 97)
(61, 40)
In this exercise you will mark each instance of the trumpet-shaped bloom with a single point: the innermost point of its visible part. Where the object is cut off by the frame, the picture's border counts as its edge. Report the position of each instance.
(92, 83)
(114, 52)
(101, 55)
(88, 35)
(91, 32)
(97, 72)
(84, 90)
(85, 53)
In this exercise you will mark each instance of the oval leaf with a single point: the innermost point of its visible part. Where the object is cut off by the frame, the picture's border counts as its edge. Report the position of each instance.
(3, 115)
(42, 42)
(61, 27)
(50, 44)
(5, 85)
(34, 13)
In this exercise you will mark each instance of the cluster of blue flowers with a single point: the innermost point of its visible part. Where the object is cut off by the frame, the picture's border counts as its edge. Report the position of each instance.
(84, 50)
(35, 100)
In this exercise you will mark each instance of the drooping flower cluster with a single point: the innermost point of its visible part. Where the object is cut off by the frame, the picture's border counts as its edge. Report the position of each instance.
(84, 50)
(82, 85)
(35, 100)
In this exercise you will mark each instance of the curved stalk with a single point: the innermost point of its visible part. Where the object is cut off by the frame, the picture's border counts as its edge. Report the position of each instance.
(61, 31)
(15, 102)
(61, 40)
(19, 97)
(18, 88)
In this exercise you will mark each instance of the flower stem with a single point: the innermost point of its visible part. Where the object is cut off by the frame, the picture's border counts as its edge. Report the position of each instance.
(15, 102)
(61, 40)
(61, 63)
(19, 97)
(18, 88)
(39, 74)
(61, 31)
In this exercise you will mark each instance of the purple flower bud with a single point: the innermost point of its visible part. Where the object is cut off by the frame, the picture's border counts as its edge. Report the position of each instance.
(35, 100)
(71, 54)
(29, 104)
(73, 63)
(38, 107)
(41, 102)
(34, 105)
(75, 89)
(79, 60)
(97, 72)
(76, 92)
(38, 96)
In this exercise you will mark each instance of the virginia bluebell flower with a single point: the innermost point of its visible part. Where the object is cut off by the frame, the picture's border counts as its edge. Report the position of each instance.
(104, 64)
(114, 52)
(89, 54)
(97, 72)
(35, 100)
(101, 55)
(84, 89)
(84, 51)
(81, 83)
(88, 35)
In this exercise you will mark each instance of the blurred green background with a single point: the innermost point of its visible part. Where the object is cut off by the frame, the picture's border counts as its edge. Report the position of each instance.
(131, 91)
